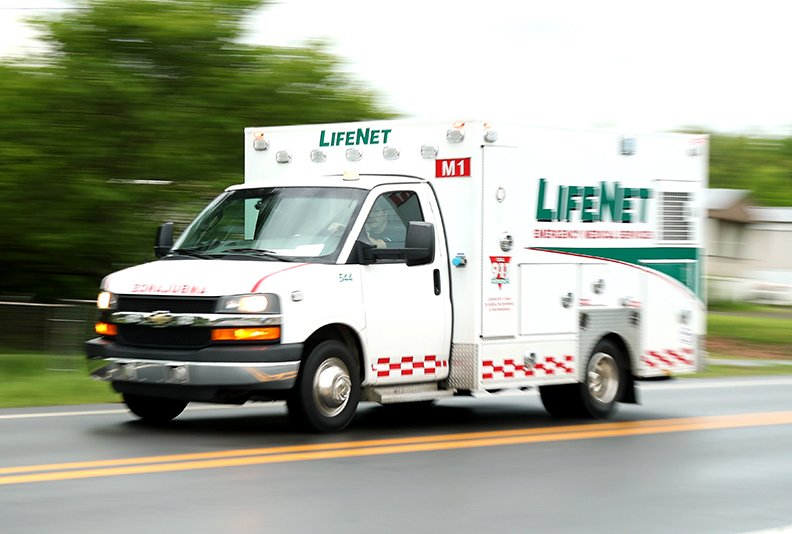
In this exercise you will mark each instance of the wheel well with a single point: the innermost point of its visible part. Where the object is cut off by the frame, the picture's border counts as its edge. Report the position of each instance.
(337, 332)
(629, 395)
(617, 340)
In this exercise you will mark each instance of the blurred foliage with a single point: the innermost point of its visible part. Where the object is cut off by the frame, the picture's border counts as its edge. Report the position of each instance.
(762, 165)
(131, 91)
(135, 91)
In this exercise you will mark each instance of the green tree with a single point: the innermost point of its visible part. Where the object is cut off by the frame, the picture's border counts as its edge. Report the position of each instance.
(129, 93)
(762, 165)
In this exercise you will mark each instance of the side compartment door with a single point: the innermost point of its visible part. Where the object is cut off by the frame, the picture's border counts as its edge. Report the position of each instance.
(549, 304)
(407, 309)
(501, 243)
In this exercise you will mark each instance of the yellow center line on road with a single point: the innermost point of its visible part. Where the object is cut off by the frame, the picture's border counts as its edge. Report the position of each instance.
(296, 453)
(344, 445)
(324, 446)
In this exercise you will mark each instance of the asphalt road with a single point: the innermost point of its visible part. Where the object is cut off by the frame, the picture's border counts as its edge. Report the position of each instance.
(697, 456)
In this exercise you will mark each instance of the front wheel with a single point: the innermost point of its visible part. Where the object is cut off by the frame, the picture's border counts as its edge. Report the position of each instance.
(154, 409)
(327, 392)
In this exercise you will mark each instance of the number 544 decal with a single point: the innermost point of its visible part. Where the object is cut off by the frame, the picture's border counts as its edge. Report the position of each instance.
(344, 277)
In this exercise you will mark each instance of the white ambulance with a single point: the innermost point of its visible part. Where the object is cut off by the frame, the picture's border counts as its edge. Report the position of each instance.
(402, 261)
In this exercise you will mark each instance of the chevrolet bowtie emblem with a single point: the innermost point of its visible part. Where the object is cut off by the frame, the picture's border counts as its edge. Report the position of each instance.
(159, 318)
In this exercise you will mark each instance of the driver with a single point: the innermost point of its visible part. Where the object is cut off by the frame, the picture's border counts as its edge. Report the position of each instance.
(376, 224)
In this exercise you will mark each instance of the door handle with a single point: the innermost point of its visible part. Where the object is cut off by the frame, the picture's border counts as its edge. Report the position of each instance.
(566, 300)
(436, 275)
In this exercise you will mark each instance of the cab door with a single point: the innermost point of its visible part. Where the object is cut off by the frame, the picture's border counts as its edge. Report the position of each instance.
(407, 309)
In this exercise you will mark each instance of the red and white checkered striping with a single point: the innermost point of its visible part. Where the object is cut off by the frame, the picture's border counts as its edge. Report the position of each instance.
(509, 368)
(668, 358)
(408, 366)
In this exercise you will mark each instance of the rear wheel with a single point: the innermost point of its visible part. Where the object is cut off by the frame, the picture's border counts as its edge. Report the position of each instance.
(562, 401)
(606, 376)
(154, 409)
(596, 396)
(328, 389)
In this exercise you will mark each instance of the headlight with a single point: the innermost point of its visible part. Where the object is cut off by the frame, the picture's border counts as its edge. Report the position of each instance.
(106, 301)
(253, 303)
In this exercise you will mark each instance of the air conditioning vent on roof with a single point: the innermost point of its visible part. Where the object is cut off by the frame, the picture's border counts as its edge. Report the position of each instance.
(676, 218)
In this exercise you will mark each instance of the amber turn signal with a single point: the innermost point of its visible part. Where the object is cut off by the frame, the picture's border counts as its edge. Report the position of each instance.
(106, 329)
(269, 333)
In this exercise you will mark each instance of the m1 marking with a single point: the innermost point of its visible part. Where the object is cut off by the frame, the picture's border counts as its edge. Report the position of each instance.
(452, 168)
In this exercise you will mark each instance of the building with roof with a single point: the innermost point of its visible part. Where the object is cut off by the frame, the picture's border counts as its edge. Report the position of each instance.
(748, 248)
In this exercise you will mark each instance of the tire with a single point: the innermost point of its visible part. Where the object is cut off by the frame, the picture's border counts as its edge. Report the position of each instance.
(606, 378)
(154, 409)
(327, 392)
(562, 402)
(596, 397)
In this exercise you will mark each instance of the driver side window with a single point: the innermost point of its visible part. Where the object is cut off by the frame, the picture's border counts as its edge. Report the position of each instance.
(387, 222)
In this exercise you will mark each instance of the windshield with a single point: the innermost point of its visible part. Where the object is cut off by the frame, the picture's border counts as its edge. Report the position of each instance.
(287, 223)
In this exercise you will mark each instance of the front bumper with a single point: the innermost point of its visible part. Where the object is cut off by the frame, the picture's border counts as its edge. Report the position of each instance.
(250, 367)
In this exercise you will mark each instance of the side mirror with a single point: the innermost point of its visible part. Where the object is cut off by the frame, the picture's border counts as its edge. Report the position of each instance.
(420, 243)
(163, 243)
(363, 253)
(419, 247)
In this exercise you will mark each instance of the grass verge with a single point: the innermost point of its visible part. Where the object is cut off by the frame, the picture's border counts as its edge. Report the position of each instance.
(772, 331)
(746, 307)
(733, 367)
(30, 379)
(47, 380)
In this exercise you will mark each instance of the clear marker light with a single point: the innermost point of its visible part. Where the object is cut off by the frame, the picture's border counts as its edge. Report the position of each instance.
(456, 134)
(390, 152)
(353, 154)
(259, 143)
(490, 135)
(429, 151)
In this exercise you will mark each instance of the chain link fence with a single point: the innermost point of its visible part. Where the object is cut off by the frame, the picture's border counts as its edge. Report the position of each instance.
(59, 328)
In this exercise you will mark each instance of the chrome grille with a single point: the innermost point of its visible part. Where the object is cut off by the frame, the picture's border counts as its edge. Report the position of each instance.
(182, 337)
(138, 303)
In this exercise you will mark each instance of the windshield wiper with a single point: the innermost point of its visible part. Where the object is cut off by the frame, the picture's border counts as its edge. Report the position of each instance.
(191, 252)
(256, 252)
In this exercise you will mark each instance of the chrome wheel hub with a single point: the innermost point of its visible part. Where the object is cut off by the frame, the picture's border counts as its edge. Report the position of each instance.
(603, 378)
(331, 387)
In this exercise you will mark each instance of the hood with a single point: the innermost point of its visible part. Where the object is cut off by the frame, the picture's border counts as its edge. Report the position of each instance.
(194, 277)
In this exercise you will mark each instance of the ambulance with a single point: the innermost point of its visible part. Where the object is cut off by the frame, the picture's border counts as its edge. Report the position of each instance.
(406, 262)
